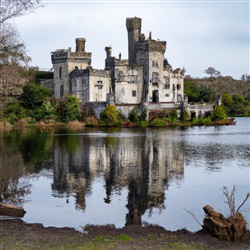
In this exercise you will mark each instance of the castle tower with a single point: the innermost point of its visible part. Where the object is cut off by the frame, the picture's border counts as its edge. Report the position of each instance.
(134, 31)
(64, 61)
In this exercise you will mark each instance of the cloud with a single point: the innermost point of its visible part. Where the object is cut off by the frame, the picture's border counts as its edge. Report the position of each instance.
(198, 35)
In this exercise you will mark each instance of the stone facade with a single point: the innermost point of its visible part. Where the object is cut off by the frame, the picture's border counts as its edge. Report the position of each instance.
(144, 79)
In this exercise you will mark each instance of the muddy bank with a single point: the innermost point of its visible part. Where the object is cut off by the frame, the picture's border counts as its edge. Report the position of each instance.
(16, 234)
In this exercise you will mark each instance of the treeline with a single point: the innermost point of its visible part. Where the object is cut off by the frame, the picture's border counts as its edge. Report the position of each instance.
(236, 105)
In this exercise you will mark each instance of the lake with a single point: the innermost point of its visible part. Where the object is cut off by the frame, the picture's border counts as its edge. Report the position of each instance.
(125, 176)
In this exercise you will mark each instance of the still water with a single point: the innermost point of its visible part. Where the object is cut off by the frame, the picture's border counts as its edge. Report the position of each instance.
(125, 176)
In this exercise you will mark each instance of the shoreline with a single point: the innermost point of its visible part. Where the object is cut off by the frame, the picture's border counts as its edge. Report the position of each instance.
(74, 125)
(17, 234)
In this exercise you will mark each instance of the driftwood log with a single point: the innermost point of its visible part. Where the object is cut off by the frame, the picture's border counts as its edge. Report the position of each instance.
(216, 224)
(11, 210)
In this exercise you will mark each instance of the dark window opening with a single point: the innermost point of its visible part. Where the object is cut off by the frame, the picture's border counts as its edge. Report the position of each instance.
(167, 86)
(133, 93)
(155, 96)
(60, 72)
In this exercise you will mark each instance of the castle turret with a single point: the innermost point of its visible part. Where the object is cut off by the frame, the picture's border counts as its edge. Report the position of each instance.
(108, 51)
(134, 31)
(80, 44)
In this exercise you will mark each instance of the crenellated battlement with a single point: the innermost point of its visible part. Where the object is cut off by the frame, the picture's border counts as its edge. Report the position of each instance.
(62, 55)
(151, 45)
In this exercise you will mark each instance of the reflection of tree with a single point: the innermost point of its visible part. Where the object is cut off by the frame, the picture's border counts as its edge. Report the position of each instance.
(13, 186)
(34, 147)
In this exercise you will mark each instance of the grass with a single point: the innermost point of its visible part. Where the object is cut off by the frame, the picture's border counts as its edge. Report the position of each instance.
(183, 246)
(123, 237)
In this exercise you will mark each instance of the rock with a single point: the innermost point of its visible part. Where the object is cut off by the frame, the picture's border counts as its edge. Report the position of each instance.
(216, 224)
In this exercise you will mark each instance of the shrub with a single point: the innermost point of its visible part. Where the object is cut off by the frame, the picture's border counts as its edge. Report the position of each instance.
(14, 111)
(174, 115)
(68, 108)
(34, 95)
(109, 116)
(133, 115)
(219, 113)
(207, 121)
(158, 122)
(143, 124)
(45, 112)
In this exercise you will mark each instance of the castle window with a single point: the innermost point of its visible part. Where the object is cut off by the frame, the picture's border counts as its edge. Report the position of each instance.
(99, 84)
(133, 93)
(178, 86)
(155, 78)
(60, 72)
(167, 86)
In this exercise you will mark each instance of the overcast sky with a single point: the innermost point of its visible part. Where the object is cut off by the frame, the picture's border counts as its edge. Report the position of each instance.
(199, 34)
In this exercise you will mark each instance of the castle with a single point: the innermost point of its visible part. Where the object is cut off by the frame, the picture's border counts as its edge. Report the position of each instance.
(145, 80)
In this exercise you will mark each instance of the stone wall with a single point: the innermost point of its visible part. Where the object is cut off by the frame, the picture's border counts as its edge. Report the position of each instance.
(126, 108)
(200, 108)
(94, 108)
(49, 84)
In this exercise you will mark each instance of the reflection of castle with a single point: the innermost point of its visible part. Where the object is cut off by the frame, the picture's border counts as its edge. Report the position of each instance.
(144, 164)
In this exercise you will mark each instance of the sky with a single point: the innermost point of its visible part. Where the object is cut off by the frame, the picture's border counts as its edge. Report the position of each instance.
(199, 34)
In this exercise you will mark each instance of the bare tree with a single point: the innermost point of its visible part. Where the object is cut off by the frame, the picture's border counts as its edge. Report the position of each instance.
(12, 51)
(13, 8)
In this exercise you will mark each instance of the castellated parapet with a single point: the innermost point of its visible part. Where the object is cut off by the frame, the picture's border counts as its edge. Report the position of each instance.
(151, 45)
(62, 56)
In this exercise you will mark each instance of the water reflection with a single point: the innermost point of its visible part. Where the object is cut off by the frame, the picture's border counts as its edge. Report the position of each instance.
(145, 162)
(142, 163)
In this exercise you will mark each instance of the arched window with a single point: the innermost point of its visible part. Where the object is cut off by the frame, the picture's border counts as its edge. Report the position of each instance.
(178, 86)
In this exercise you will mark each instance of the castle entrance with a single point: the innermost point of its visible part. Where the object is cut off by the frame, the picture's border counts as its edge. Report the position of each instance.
(155, 95)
